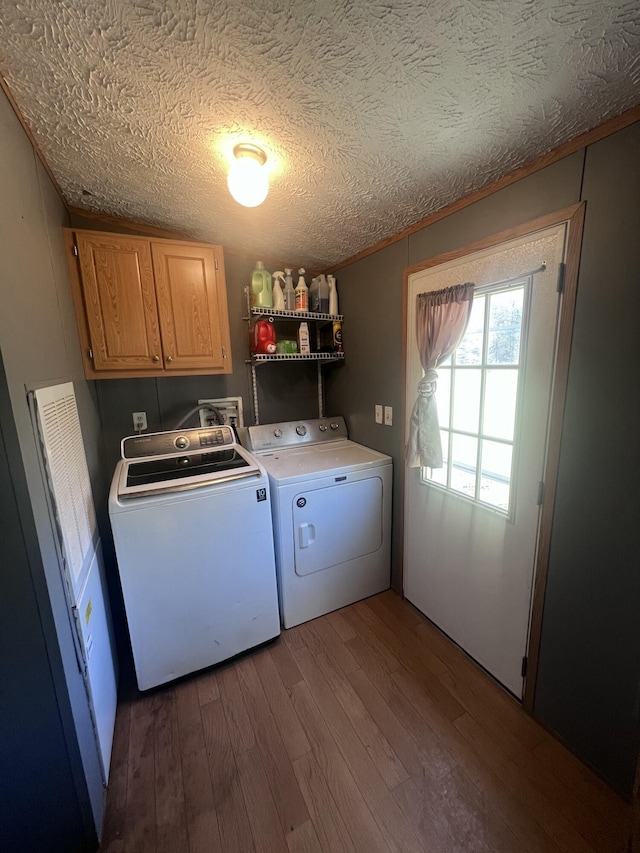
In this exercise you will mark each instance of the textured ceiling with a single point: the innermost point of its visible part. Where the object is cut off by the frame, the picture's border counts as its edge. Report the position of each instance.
(374, 114)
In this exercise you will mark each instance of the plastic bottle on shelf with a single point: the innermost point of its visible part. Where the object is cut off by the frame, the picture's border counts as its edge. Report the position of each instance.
(333, 295)
(302, 292)
(261, 287)
(337, 336)
(262, 337)
(276, 290)
(314, 295)
(303, 339)
(323, 295)
(289, 292)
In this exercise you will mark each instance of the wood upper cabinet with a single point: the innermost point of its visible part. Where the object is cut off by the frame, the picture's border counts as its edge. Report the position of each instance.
(149, 307)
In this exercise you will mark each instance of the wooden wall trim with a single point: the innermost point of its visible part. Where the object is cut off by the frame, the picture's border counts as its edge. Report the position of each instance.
(31, 138)
(582, 141)
(130, 225)
(550, 476)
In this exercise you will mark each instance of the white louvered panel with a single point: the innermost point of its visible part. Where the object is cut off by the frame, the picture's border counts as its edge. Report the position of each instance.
(67, 474)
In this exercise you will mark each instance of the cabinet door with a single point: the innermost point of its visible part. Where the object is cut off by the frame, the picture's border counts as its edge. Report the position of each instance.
(120, 302)
(192, 306)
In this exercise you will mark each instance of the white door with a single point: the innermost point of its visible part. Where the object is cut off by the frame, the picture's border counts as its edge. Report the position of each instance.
(471, 527)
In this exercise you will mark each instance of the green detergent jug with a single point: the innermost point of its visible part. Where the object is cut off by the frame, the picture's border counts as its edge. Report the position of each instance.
(261, 293)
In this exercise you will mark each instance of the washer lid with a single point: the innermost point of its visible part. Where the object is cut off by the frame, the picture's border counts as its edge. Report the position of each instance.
(181, 472)
(315, 460)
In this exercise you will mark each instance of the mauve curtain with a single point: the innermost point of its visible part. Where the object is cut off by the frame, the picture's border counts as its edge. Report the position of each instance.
(441, 321)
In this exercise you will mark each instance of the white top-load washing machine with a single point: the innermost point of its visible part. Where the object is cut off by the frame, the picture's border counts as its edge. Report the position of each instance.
(331, 503)
(191, 518)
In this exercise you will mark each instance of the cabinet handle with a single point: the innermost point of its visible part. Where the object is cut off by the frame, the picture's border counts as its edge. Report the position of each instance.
(169, 359)
(156, 358)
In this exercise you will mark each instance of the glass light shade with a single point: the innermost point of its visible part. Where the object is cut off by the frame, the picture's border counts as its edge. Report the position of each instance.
(248, 181)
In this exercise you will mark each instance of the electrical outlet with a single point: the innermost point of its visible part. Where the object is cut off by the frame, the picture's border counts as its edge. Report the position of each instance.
(388, 415)
(378, 414)
(139, 421)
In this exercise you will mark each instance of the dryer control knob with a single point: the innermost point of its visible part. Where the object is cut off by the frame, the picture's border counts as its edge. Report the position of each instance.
(301, 430)
(334, 425)
(323, 427)
(277, 433)
(181, 442)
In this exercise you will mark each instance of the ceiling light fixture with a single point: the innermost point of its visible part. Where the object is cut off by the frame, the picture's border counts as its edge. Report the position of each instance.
(247, 180)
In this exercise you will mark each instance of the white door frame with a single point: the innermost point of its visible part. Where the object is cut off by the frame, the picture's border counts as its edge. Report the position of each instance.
(574, 218)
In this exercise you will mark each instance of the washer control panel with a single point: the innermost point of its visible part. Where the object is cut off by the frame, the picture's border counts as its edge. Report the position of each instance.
(178, 441)
(267, 437)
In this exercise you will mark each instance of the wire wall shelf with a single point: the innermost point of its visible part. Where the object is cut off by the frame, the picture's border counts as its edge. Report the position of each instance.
(296, 315)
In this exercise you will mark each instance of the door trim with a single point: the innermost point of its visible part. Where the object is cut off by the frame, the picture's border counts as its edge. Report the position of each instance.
(573, 216)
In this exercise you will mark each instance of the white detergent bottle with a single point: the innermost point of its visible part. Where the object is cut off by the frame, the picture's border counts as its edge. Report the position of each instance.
(276, 292)
(289, 293)
(302, 292)
(323, 295)
(333, 295)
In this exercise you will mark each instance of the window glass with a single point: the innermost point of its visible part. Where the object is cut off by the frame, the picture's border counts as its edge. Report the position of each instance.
(477, 398)
(470, 349)
(466, 399)
(495, 480)
(505, 322)
(464, 460)
(500, 397)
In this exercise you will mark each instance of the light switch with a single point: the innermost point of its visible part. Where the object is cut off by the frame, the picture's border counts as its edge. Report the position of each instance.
(388, 415)
(378, 414)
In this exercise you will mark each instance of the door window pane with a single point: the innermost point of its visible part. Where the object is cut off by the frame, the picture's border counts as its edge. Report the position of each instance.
(500, 397)
(470, 349)
(466, 400)
(464, 460)
(477, 398)
(505, 323)
(495, 480)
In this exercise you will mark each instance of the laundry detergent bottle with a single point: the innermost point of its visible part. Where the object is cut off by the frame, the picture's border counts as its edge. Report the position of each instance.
(262, 337)
(261, 295)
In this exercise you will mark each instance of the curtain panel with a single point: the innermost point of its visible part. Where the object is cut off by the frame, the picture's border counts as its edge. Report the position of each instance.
(442, 317)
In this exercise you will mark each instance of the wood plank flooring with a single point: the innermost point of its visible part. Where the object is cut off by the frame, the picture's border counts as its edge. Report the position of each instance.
(365, 730)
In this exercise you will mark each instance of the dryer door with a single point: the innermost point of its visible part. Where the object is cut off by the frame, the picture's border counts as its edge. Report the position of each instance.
(336, 524)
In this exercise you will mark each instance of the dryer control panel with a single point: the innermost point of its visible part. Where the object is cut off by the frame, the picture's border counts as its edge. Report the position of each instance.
(295, 433)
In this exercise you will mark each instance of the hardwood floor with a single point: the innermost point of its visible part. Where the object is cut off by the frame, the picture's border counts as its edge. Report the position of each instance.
(364, 730)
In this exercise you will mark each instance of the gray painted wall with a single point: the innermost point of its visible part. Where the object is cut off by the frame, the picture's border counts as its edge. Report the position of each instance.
(589, 676)
(589, 673)
(39, 344)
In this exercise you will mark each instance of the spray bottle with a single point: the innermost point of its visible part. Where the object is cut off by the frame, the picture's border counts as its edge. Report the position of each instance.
(276, 290)
(302, 292)
(289, 293)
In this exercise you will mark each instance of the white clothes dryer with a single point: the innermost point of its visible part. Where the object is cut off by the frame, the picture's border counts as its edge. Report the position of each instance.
(331, 505)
